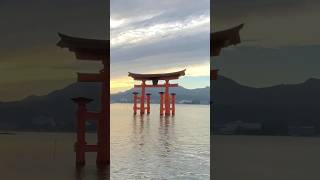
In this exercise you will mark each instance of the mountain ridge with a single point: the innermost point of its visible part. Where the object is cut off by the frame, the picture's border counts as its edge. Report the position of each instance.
(276, 107)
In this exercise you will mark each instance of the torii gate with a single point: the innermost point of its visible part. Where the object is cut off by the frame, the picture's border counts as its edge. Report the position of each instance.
(93, 50)
(219, 40)
(164, 97)
(222, 39)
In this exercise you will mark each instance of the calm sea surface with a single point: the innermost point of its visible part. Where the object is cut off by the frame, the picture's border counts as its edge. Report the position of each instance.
(265, 158)
(151, 147)
(142, 147)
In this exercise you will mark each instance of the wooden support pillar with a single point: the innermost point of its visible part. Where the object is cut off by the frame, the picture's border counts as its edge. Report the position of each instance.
(143, 90)
(173, 101)
(161, 103)
(103, 155)
(148, 102)
(167, 98)
(95, 50)
(80, 129)
(214, 74)
(135, 100)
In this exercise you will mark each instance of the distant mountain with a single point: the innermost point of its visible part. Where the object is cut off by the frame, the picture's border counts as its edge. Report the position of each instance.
(56, 111)
(195, 96)
(276, 108)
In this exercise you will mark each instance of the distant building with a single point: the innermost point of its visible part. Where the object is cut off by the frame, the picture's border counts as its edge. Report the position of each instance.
(240, 127)
(302, 130)
(43, 120)
(185, 101)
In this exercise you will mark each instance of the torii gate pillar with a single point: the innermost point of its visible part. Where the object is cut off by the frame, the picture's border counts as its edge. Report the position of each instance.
(92, 50)
(173, 102)
(148, 102)
(143, 94)
(167, 98)
(80, 144)
(161, 103)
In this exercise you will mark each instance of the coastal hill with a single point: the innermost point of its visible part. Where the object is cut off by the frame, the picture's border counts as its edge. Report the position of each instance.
(277, 109)
(188, 96)
(56, 111)
(274, 109)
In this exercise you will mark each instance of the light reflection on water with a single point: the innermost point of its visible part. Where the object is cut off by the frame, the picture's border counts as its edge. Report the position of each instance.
(142, 147)
(49, 156)
(102, 173)
(155, 147)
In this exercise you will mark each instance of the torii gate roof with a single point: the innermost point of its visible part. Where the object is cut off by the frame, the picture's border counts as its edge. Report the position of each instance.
(162, 76)
(222, 39)
(86, 49)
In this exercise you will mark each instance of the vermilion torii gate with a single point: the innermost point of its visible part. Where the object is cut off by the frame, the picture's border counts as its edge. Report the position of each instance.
(164, 97)
(94, 50)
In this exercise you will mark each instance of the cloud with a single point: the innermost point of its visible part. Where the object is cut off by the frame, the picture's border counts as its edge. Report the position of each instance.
(156, 36)
(130, 9)
(237, 9)
(161, 30)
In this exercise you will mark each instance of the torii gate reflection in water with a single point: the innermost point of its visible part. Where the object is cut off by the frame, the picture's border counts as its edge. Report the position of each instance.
(164, 97)
(94, 50)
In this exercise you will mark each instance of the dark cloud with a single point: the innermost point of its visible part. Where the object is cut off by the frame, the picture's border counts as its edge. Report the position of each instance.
(276, 22)
(280, 40)
(242, 8)
(35, 21)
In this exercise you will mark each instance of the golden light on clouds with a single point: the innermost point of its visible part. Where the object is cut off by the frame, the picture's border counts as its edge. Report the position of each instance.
(121, 84)
(124, 83)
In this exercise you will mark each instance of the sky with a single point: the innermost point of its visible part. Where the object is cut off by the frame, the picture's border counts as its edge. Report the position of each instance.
(143, 33)
(30, 61)
(160, 36)
(281, 41)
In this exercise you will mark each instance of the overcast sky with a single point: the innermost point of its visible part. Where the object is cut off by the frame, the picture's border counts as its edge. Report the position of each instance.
(160, 36)
(147, 36)
(30, 61)
(281, 41)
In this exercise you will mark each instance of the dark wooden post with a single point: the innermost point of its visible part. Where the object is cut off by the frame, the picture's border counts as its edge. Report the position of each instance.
(167, 98)
(135, 99)
(103, 154)
(80, 128)
(161, 103)
(143, 88)
(173, 101)
(148, 102)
